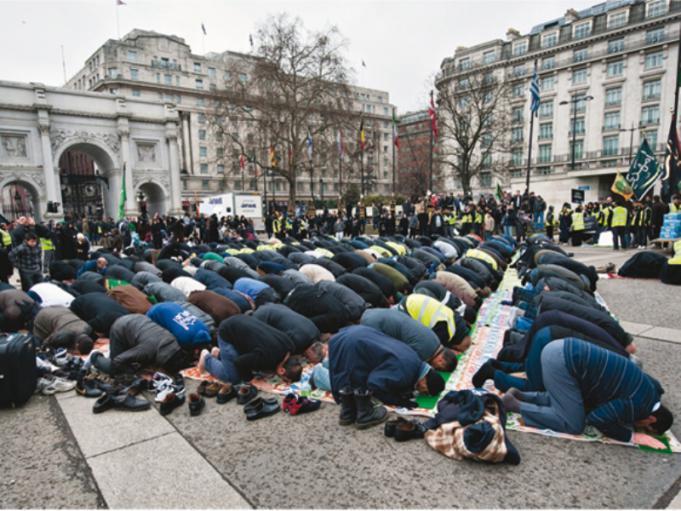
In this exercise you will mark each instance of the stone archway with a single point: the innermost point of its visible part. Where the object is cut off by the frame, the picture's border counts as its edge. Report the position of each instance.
(19, 197)
(106, 174)
(153, 197)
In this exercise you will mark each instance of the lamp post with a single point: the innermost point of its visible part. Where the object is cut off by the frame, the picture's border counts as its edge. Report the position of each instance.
(321, 190)
(574, 101)
(631, 141)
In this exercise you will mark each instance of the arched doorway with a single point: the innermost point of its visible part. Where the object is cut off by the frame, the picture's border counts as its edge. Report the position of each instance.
(151, 199)
(85, 169)
(19, 199)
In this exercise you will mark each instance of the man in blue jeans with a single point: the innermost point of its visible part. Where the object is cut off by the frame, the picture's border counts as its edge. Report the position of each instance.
(588, 385)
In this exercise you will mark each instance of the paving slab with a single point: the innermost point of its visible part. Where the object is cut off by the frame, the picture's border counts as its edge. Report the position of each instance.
(664, 334)
(635, 328)
(41, 465)
(164, 472)
(113, 429)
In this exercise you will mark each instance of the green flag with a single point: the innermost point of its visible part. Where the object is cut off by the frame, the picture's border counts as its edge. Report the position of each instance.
(644, 171)
(621, 186)
(124, 196)
(500, 194)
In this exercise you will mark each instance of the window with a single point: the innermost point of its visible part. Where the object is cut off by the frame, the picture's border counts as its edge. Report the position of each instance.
(517, 134)
(200, 102)
(520, 47)
(651, 90)
(545, 153)
(651, 137)
(202, 118)
(582, 30)
(199, 83)
(113, 72)
(197, 67)
(134, 73)
(618, 19)
(611, 120)
(212, 73)
(579, 103)
(486, 179)
(548, 40)
(168, 79)
(579, 76)
(205, 184)
(546, 131)
(203, 168)
(518, 90)
(548, 63)
(655, 35)
(579, 149)
(613, 96)
(136, 93)
(611, 145)
(650, 115)
(615, 68)
(488, 56)
(579, 126)
(203, 151)
(464, 63)
(517, 157)
(486, 161)
(616, 45)
(132, 55)
(519, 70)
(202, 134)
(177, 80)
(653, 60)
(548, 83)
(546, 109)
(243, 77)
(580, 55)
(220, 152)
(517, 114)
(655, 8)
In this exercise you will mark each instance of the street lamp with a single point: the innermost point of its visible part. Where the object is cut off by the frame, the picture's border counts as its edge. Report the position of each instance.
(574, 101)
(631, 140)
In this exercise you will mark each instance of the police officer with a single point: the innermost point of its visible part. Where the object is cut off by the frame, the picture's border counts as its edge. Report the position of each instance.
(618, 222)
(577, 226)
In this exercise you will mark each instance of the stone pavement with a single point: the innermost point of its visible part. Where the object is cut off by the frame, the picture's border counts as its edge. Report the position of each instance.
(62, 455)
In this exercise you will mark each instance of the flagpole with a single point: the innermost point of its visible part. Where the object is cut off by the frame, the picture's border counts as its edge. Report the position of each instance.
(118, 24)
(678, 75)
(529, 145)
(395, 129)
(340, 169)
(430, 153)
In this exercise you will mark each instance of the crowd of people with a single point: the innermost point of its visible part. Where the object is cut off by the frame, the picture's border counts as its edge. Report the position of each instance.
(373, 317)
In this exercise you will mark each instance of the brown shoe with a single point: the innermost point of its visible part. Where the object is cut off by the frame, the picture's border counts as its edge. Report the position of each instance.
(209, 388)
(226, 393)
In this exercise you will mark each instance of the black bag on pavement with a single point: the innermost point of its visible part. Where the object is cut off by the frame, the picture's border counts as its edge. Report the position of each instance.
(18, 375)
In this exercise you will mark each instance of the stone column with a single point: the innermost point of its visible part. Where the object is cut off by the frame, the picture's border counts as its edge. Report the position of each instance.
(187, 145)
(174, 167)
(52, 181)
(126, 160)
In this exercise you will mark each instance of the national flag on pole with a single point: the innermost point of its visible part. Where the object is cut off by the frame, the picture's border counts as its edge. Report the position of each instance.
(308, 143)
(120, 2)
(273, 157)
(671, 181)
(534, 92)
(123, 197)
(622, 187)
(644, 171)
(250, 40)
(433, 116)
(242, 161)
(203, 28)
(362, 135)
(396, 135)
(500, 193)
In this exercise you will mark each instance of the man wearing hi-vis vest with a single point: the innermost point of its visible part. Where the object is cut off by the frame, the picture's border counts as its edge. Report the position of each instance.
(577, 226)
(618, 222)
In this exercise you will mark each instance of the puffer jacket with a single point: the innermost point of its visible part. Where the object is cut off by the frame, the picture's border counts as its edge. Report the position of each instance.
(137, 339)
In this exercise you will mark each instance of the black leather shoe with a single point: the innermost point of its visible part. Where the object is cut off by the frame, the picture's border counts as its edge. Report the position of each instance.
(103, 403)
(408, 430)
(196, 404)
(261, 407)
(226, 393)
(170, 402)
(246, 393)
(125, 401)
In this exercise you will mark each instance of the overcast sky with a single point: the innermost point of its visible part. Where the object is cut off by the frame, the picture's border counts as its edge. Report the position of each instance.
(402, 42)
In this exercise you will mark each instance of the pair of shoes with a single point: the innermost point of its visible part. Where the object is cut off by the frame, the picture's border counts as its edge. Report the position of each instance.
(246, 393)
(208, 388)
(120, 401)
(88, 388)
(402, 429)
(170, 402)
(49, 386)
(226, 393)
(196, 404)
(261, 407)
(294, 405)
(358, 408)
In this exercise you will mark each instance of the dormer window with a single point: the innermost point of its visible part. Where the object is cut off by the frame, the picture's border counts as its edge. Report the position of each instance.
(581, 30)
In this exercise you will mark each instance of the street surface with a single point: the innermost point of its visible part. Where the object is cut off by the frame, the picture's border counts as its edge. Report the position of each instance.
(56, 453)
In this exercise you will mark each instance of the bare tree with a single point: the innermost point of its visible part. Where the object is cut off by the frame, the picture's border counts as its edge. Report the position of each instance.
(295, 84)
(474, 121)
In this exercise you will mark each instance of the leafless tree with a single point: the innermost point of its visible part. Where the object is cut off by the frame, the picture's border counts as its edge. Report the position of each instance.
(474, 122)
(295, 83)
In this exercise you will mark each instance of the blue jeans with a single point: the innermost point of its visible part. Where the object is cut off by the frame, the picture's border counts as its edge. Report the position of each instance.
(321, 377)
(532, 366)
(508, 231)
(561, 407)
(223, 368)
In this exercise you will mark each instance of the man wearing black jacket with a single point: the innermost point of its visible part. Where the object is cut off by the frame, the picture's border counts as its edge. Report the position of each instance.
(301, 330)
(246, 345)
(98, 310)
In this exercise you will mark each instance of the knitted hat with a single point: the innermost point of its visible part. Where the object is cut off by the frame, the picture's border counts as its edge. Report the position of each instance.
(434, 382)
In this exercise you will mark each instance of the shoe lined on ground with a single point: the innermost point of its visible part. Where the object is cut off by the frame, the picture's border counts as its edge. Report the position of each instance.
(120, 401)
(226, 393)
(196, 404)
(49, 386)
(368, 413)
(246, 393)
(409, 430)
(294, 405)
(261, 407)
(88, 388)
(208, 388)
(171, 402)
